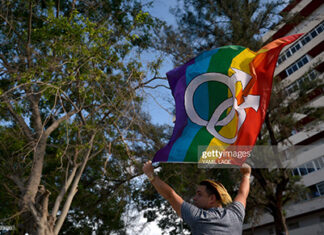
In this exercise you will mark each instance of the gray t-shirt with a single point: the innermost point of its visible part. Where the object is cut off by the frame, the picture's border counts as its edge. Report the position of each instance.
(220, 221)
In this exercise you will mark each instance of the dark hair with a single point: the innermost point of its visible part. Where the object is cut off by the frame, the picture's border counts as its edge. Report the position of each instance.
(210, 189)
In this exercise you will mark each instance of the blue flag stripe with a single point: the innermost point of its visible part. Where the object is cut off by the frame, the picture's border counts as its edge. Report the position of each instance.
(190, 131)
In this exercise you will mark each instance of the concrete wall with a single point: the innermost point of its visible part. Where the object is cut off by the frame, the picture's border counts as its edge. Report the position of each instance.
(309, 223)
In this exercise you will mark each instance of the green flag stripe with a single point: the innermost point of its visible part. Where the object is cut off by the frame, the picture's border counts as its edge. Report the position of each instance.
(219, 63)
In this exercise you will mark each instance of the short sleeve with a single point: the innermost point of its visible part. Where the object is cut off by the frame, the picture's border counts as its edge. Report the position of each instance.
(238, 209)
(189, 213)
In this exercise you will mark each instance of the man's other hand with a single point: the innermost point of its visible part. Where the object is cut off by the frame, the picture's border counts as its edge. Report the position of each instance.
(245, 169)
(148, 169)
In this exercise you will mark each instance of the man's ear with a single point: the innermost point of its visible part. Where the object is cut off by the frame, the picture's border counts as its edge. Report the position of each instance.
(212, 198)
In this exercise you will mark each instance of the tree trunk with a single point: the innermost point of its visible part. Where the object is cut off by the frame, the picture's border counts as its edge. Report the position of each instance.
(273, 139)
(35, 199)
(27, 224)
(280, 221)
(30, 226)
(36, 173)
(44, 228)
(277, 210)
(37, 220)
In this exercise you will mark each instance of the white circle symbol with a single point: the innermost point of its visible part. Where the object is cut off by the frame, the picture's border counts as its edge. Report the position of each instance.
(214, 120)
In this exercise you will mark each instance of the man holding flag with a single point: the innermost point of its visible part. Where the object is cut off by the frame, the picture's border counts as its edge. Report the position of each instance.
(207, 215)
(221, 99)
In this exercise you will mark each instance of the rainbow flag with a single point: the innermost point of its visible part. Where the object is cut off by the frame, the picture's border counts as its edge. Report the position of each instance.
(221, 99)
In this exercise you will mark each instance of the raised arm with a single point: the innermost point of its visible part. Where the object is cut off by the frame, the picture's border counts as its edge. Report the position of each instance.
(163, 189)
(245, 185)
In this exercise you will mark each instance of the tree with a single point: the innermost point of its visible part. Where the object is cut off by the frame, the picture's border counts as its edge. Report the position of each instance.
(203, 25)
(278, 187)
(70, 81)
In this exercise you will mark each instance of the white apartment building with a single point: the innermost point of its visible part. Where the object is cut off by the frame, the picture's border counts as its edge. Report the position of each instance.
(298, 63)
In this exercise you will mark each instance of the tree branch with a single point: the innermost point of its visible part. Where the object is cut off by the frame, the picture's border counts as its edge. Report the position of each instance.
(57, 8)
(150, 80)
(29, 33)
(14, 195)
(33, 211)
(64, 189)
(55, 124)
(20, 121)
(11, 27)
(74, 189)
(37, 117)
(45, 205)
(160, 105)
(96, 153)
(18, 182)
(6, 64)
(73, 6)
(13, 216)
(126, 145)
(153, 87)
(65, 210)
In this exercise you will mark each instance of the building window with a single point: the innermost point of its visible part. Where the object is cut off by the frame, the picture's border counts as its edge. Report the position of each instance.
(300, 64)
(322, 218)
(320, 188)
(289, 71)
(305, 60)
(270, 231)
(309, 167)
(319, 163)
(297, 65)
(297, 46)
(312, 75)
(283, 57)
(314, 33)
(313, 192)
(300, 82)
(303, 170)
(295, 171)
(316, 190)
(293, 225)
(303, 41)
(320, 28)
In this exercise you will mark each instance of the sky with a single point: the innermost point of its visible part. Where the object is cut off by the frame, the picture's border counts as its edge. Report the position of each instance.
(162, 96)
(159, 102)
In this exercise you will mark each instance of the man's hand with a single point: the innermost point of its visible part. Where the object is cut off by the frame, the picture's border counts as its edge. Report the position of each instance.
(245, 185)
(245, 169)
(148, 169)
(165, 190)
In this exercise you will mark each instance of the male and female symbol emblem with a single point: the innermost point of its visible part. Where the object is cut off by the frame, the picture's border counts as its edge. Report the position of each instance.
(250, 101)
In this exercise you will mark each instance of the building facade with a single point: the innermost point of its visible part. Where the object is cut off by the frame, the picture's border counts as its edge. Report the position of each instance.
(299, 64)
